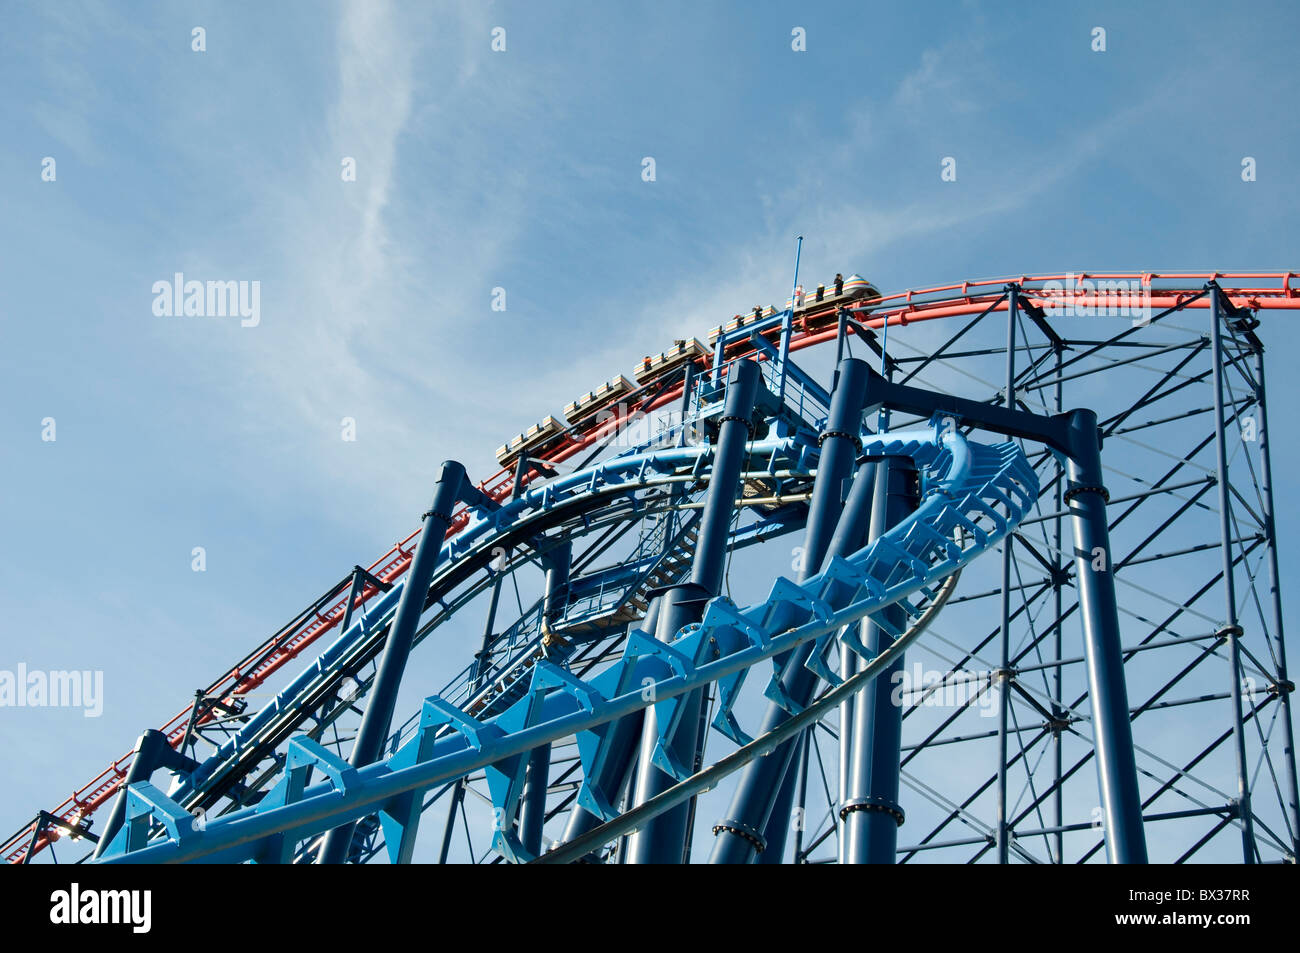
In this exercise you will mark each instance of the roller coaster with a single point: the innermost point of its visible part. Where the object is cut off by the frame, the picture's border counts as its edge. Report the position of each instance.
(1051, 495)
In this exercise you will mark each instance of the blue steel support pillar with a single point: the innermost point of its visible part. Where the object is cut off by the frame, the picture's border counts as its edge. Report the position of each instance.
(663, 839)
(759, 816)
(871, 813)
(397, 647)
(1112, 733)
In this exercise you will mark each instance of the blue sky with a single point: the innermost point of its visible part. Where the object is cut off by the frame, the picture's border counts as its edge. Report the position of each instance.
(521, 170)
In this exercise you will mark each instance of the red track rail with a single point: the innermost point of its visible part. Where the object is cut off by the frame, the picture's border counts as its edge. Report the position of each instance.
(1078, 291)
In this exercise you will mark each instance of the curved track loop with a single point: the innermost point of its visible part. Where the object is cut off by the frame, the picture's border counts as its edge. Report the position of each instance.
(1061, 293)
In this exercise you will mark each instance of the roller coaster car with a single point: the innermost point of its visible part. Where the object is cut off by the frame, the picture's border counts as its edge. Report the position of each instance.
(682, 352)
(740, 321)
(819, 307)
(594, 401)
(531, 442)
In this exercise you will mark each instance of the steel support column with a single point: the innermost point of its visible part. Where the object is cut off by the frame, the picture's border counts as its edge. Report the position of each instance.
(663, 840)
(871, 812)
(1094, 566)
(397, 647)
(758, 819)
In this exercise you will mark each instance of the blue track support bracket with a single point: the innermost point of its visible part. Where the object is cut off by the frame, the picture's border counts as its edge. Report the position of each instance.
(596, 747)
(593, 751)
(549, 675)
(808, 606)
(303, 755)
(152, 751)
(438, 712)
(144, 806)
(817, 663)
(506, 778)
(725, 720)
(400, 818)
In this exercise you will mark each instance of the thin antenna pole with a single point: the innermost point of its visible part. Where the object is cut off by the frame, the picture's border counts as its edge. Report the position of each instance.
(787, 323)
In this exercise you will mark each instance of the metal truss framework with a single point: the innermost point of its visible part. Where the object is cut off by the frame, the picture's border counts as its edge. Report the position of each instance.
(1180, 399)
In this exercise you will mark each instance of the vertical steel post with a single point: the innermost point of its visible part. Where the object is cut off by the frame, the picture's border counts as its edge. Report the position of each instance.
(758, 820)
(1284, 686)
(397, 647)
(1002, 834)
(663, 839)
(1231, 630)
(871, 812)
(1112, 733)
